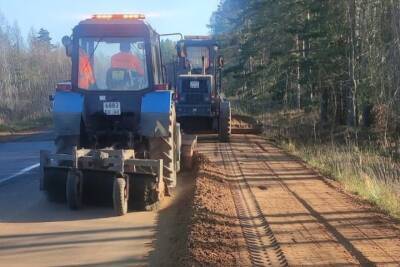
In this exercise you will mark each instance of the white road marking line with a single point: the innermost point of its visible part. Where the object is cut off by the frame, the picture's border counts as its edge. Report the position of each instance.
(25, 170)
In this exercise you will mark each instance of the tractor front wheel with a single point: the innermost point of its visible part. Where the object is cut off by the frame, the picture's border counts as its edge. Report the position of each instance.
(120, 196)
(74, 189)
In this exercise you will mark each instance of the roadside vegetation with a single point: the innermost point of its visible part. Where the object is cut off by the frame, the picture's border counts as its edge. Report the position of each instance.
(29, 70)
(39, 123)
(323, 77)
(361, 171)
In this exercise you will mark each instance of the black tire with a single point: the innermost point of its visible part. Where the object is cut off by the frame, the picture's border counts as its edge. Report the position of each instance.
(55, 181)
(120, 196)
(225, 117)
(54, 184)
(154, 193)
(74, 189)
(147, 192)
(178, 142)
(165, 148)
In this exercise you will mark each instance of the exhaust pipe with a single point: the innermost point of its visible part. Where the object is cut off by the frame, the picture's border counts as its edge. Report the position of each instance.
(203, 64)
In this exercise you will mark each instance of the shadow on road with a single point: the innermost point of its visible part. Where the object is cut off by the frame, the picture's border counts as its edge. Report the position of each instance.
(130, 261)
(170, 247)
(71, 242)
(21, 201)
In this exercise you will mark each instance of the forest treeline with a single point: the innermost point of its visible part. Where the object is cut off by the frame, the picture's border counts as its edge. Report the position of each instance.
(340, 58)
(29, 70)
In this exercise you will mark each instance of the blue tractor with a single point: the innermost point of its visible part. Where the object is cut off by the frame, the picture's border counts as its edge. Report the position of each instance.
(115, 124)
(200, 103)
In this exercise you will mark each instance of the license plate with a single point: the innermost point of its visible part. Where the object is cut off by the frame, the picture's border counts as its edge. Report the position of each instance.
(112, 108)
(194, 84)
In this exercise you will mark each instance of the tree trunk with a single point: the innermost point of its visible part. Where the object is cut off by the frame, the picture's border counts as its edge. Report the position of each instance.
(298, 102)
(352, 90)
(324, 106)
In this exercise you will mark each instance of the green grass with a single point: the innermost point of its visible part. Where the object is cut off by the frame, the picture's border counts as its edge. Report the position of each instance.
(27, 124)
(373, 177)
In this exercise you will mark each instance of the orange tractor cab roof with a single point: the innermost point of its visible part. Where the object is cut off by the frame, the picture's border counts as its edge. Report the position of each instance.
(114, 25)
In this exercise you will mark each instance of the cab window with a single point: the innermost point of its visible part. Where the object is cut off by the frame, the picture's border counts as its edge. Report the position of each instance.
(195, 54)
(112, 64)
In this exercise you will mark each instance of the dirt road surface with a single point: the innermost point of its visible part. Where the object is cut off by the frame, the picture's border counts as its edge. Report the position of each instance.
(291, 216)
(285, 213)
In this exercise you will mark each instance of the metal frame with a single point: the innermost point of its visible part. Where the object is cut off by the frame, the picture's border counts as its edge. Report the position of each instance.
(118, 161)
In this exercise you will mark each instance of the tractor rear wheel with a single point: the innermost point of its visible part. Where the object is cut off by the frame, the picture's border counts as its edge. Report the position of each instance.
(165, 148)
(74, 189)
(225, 115)
(55, 181)
(120, 196)
(54, 184)
(146, 192)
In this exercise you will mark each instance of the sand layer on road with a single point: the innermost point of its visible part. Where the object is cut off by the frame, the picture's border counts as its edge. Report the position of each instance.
(215, 237)
(198, 227)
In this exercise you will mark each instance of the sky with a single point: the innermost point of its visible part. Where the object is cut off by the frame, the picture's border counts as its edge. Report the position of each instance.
(60, 16)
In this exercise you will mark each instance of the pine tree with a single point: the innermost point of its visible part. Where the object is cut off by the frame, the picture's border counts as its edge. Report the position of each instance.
(43, 37)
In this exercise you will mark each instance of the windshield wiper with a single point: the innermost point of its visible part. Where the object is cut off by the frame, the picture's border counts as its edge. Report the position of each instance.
(95, 48)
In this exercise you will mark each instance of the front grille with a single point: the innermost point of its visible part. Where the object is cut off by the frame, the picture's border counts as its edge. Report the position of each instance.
(194, 98)
(193, 110)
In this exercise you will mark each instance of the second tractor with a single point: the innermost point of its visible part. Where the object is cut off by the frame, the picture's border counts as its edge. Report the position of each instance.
(200, 102)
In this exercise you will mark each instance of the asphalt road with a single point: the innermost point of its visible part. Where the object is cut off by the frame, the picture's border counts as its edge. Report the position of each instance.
(35, 232)
(22, 156)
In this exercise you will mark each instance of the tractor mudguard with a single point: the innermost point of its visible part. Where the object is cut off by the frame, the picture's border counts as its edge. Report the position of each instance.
(155, 114)
(67, 113)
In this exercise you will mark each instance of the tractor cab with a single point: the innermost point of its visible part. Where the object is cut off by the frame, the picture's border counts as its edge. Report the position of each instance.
(114, 53)
(197, 55)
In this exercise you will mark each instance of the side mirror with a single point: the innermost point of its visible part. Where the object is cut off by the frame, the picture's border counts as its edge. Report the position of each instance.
(180, 49)
(188, 65)
(67, 42)
(215, 47)
(221, 62)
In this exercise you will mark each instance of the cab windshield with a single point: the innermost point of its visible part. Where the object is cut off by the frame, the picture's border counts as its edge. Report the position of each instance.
(194, 56)
(112, 64)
